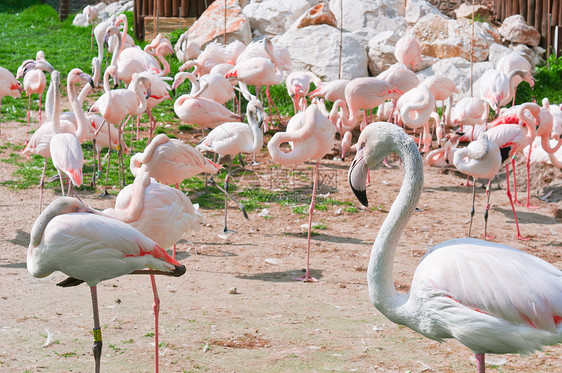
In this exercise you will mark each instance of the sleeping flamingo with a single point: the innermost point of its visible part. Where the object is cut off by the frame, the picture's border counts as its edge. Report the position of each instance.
(483, 294)
(311, 135)
(78, 241)
(408, 51)
(498, 88)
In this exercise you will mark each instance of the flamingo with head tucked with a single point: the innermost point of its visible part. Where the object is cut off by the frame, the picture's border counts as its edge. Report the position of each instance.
(9, 86)
(483, 294)
(88, 247)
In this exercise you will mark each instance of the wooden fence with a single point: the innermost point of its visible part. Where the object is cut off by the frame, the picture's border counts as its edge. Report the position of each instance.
(544, 15)
(169, 12)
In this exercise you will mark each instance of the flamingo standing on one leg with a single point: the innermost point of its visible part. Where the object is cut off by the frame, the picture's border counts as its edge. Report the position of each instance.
(415, 107)
(78, 241)
(311, 135)
(482, 294)
(9, 86)
(162, 214)
(480, 159)
(233, 138)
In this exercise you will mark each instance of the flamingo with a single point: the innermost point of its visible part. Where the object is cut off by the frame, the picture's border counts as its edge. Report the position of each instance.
(311, 135)
(186, 49)
(408, 51)
(40, 141)
(469, 111)
(442, 88)
(9, 86)
(34, 81)
(401, 78)
(162, 214)
(258, 71)
(171, 161)
(415, 107)
(498, 88)
(480, 159)
(213, 54)
(512, 138)
(331, 91)
(99, 34)
(510, 62)
(212, 86)
(298, 85)
(442, 157)
(155, 43)
(233, 138)
(76, 240)
(481, 293)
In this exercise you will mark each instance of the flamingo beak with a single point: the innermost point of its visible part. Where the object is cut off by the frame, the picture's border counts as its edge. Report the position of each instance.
(357, 177)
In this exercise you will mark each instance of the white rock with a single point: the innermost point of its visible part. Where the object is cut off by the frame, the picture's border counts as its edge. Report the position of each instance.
(458, 70)
(381, 51)
(274, 17)
(316, 49)
(515, 29)
(416, 9)
(378, 15)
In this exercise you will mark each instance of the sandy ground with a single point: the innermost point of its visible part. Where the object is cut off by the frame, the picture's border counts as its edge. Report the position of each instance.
(270, 322)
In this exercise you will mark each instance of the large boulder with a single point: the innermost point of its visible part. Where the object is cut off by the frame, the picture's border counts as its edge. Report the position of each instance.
(378, 15)
(317, 48)
(466, 11)
(417, 9)
(381, 51)
(458, 70)
(516, 30)
(447, 38)
(210, 26)
(274, 17)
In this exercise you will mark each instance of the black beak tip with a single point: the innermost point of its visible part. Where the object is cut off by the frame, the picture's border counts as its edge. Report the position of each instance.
(115, 86)
(91, 81)
(245, 213)
(178, 271)
(361, 196)
(174, 92)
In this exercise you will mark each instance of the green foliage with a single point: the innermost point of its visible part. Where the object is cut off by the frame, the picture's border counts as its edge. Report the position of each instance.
(548, 80)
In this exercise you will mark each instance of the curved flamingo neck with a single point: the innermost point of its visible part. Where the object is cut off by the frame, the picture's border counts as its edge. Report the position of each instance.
(124, 34)
(555, 162)
(545, 143)
(165, 65)
(82, 131)
(135, 208)
(117, 50)
(528, 121)
(382, 292)
(274, 59)
(256, 131)
(140, 96)
(138, 159)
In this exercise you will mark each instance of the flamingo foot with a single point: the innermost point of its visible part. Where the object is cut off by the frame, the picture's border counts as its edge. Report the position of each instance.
(488, 238)
(521, 238)
(306, 278)
(104, 194)
(385, 163)
(529, 206)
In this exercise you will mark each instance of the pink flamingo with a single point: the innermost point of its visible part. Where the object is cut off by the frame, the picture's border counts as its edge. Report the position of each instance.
(442, 157)
(510, 62)
(498, 88)
(401, 78)
(9, 86)
(34, 81)
(212, 86)
(442, 88)
(512, 138)
(469, 111)
(331, 91)
(463, 288)
(259, 71)
(213, 54)
(366, 93)
(162, 214)
(78, 241)
(186, 49)
(311, 135)
(156, 42)
(171, 161)
(40, 141)
(232, 138)
(415, 107)
(408, 51)
(480, 159)
(298, 85)
(159, 92)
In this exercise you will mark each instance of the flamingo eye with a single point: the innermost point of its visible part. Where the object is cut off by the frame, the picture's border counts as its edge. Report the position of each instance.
(362, 145)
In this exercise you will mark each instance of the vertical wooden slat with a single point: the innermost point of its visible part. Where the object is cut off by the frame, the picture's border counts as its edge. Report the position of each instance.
(531, 12)
(508, 8)
(144, 7)
(175, 8)
(515, 7)
(538, 15)
(497, 7)
(185, 7)
(523, 8)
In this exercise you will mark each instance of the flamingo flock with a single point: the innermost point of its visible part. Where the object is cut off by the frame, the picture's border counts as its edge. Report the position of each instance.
(476, 291)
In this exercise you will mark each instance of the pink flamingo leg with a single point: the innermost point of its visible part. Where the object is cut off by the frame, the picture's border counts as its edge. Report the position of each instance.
(528, 165)
(28, 117)
(487, 208)
(270, 102)
(472, 210)
(514, 183)
(39, 109)
(41, 183)
(481, 363)
(307, 277)
(98, 343)
(508, 192)
(156, 310)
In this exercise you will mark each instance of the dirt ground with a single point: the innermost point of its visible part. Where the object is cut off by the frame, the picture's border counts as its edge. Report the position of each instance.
(238, 308)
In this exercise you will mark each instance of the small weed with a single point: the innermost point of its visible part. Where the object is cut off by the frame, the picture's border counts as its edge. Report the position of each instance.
(67, 354)
(351, 209)
(149, 334)
(320, 226)
(128, 341)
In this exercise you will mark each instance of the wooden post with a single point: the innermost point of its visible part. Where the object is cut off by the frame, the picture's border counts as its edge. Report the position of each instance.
(523, 8)
(225, 5)
(538, 15)
(63, 9)
(341, 39)
(531, 12)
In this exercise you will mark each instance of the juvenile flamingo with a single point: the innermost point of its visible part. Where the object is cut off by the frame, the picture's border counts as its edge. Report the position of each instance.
(76, 240)
(478, 292)
(311, 135)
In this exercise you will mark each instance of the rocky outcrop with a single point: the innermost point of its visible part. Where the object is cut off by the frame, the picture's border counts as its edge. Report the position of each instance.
(376, 15)
(516, 30)
(417, 9)
(210, 26)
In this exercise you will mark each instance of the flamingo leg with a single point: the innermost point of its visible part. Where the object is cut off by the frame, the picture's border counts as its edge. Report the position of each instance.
(39, 109)
(98, 343)
(508, 192)
(41, 183)
(270, 102)
(514, 183)
(472, 210)
(481, 363)
(307, 277)
(487, 208)
(108, 161)
(61, 183)
(28, 117)
(226, 180)
(528, 165)
(156, 310)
